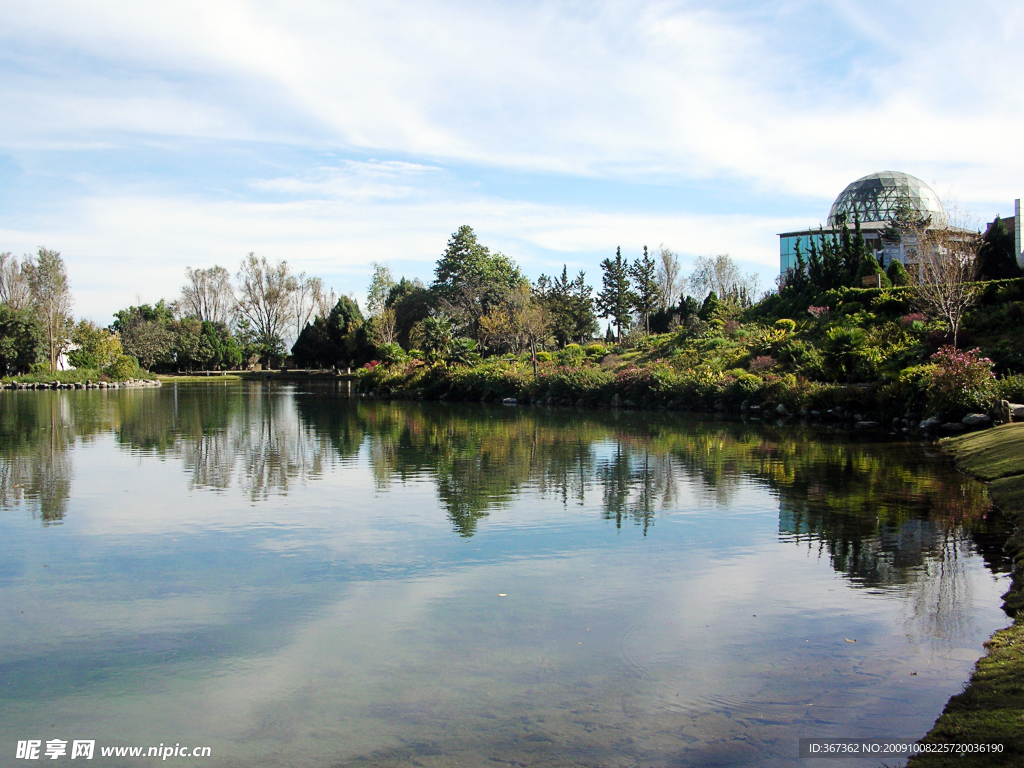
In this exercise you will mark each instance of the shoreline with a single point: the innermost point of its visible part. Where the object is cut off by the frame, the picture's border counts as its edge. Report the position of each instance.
(991, 707)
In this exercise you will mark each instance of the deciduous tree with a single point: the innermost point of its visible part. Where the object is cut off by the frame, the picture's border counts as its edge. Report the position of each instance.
(51, 300)
(208, 295)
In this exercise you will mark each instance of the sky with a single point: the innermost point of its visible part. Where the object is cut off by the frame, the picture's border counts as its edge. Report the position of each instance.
(140, 138)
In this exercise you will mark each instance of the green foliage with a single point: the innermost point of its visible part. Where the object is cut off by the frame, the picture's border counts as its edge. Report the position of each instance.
(897, 275)
(94, 347)
(962, 381)
(146, 334)
(748, 384)
(646, 294)
(785, 324)
(544, 357)
(615, 300)
(21, 341)
(337, 340)
(122, 368)
(1010, 388)
(572, 354)
(569, 305)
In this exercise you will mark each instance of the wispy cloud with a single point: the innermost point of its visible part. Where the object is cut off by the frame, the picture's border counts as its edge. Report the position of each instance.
(393, 114)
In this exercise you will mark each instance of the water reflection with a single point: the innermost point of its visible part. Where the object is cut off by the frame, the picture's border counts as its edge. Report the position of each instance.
(867, 506)
(309, 580)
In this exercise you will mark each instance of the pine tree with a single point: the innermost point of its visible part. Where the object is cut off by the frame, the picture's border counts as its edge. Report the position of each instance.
(647, 295)
(616, 297)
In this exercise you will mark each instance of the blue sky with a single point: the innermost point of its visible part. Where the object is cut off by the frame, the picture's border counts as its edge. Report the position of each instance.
(139, 138)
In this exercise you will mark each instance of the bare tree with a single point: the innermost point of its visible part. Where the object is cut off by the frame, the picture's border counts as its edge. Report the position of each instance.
(51, 300)
(380, 287)
(266, 294)
(208, 295)
(721, 276)
(14, 288)
(943, 279)
(671, 284)
(325, 301)
(385, 327)
(306, 300)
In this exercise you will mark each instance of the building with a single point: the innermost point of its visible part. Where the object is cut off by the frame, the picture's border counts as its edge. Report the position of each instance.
(875, 200)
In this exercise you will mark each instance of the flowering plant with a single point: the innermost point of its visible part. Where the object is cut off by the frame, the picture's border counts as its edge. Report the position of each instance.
(961, 381)
(818, 312)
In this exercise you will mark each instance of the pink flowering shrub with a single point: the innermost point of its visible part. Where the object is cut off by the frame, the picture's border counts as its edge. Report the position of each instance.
(818, 313)
(961, 381)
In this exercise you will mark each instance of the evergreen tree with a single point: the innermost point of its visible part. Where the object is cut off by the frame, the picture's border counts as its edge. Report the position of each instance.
(897, 274)
(996, 259)
(647, 294)
(616, 297)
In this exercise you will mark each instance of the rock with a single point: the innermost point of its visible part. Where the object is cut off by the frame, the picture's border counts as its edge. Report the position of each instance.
(580, 403)
(976, 420)
(510, 401)
(910, 416)
(744, 406)
(929, 424)
(720, 407)
(1016, 412)
(815, 414)
(952, 428)
(616, 400)
(629, 403)
(782, 410)
(866, 425)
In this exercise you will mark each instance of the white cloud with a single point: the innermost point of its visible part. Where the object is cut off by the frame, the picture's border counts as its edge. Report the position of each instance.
(791, 99)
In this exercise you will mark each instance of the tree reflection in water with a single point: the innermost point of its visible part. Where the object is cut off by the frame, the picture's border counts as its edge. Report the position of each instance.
(885, 514)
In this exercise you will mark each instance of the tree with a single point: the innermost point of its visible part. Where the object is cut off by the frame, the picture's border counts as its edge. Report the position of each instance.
(379, 290)
(616, 297)
(21, 340)
(95, 347)
(670, 282)
(997, 258)
(14, 287)
(332, 340)
(411, 302)
(51, 300)
(646, 294)
(208, 295)
(305, 300)
(266, 293)
(722, 277)
(946, 270)
(146, 334)
(569, 305)
(469, 280)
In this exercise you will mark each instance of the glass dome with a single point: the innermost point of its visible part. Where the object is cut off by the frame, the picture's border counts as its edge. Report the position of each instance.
(877, 198)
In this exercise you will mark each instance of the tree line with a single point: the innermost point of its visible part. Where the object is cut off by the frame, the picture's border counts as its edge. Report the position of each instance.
(479, 302)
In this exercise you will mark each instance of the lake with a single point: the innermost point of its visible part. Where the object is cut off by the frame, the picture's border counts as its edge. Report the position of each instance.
(293, 577)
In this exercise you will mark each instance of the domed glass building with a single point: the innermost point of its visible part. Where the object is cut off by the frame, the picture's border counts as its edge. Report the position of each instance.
(878, 198)
(875, 200)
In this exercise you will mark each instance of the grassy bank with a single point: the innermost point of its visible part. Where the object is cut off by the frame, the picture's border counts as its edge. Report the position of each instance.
(991, 708)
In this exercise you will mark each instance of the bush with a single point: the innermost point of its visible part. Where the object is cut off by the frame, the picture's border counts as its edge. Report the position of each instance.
(572, 354)
(785, 324)
(1010, 388)
(749, 384)
(123, 368)
(961, 381)
(544, 357)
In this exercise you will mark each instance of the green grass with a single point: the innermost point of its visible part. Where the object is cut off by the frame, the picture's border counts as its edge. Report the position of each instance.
(991, 708)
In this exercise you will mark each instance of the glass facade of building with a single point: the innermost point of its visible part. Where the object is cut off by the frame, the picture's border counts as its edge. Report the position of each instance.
(879, 196)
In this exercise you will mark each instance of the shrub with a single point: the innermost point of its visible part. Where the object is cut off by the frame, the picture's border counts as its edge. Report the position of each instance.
(785, 324)
(543, 357)
(1010, 388)
(572, 354)
(762, 363)
(961, 381)
(749, 384)
(123, 368)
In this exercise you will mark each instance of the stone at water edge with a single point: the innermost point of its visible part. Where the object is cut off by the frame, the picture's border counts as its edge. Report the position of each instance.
(976, 420)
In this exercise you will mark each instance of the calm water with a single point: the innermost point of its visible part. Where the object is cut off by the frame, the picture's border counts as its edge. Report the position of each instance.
(294, 578)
